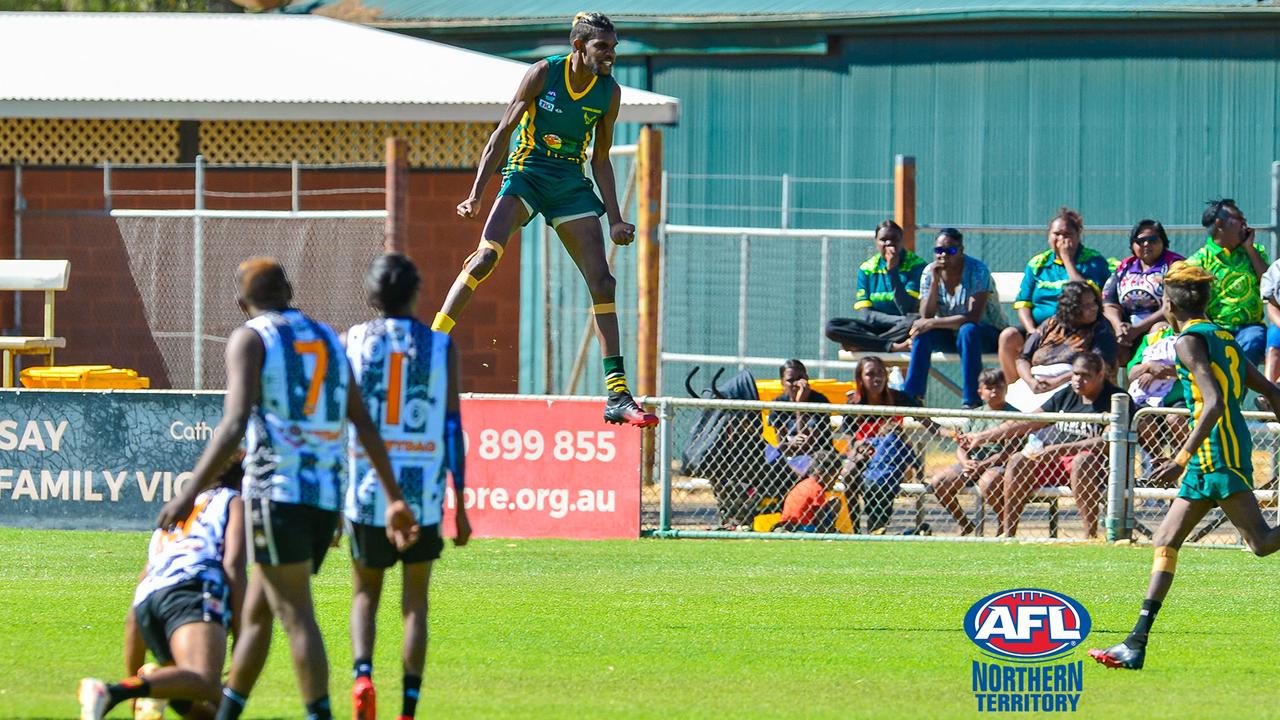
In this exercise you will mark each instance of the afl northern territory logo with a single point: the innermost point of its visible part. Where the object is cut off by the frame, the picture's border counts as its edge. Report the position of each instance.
(1027, 624)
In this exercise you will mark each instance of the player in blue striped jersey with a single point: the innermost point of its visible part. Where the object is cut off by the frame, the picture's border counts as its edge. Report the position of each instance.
(408, 376)
(288, 385)
(189, 594)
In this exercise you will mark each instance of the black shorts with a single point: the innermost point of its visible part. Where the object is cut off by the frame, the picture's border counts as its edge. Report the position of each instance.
(162, 612)
(286, 533)
(370, 546)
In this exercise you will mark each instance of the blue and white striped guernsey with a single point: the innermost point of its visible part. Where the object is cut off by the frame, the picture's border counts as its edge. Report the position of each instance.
(402, 369)
(295, 437)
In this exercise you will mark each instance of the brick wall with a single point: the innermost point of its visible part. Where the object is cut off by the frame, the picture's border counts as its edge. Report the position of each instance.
(101, 315)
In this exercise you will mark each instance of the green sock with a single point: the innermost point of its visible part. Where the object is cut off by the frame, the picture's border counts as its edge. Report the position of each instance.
(615, 376)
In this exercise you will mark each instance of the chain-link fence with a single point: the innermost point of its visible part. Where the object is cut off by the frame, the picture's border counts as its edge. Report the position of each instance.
(1159, 434)
(184, 267)
(777, 467)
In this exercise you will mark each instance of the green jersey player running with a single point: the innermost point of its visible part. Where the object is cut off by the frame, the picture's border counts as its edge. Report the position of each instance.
(562, 103)
(1215, 461)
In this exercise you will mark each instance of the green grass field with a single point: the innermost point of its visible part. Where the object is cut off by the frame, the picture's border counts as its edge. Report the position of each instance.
(684, 628)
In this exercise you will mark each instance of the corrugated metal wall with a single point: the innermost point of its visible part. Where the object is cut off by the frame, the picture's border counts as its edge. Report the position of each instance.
(1005, 128)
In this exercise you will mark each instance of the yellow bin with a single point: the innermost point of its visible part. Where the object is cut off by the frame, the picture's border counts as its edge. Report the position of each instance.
(84, 377)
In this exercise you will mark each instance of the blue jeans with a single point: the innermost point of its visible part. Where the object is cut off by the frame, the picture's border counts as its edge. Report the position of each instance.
(1273, 337)
(1252, 339)
(971, 340)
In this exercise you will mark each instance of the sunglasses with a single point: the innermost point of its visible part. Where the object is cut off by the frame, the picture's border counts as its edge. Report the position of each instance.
(946, 250)
(1144, 239)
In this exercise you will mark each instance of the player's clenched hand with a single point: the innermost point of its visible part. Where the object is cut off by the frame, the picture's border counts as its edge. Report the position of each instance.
(469, 208)
(1166, 474)
(402, 528)
(463, 524)
(623, 233)
(175, 511)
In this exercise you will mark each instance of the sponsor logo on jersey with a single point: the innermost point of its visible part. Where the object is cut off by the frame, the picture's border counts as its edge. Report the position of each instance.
(549, 107)
(553, 141)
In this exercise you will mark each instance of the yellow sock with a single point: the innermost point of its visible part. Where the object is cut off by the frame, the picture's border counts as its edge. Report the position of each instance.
(443, 323)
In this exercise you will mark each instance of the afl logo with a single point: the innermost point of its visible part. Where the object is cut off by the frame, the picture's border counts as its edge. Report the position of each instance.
(553, 141)
(1027, 624)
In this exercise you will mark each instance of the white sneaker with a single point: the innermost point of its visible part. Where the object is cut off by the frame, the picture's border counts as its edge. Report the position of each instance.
(92, 695)
(149, 708)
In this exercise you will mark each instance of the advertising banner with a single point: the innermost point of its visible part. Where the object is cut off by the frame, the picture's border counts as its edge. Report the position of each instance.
(538, 468)
(93, 460)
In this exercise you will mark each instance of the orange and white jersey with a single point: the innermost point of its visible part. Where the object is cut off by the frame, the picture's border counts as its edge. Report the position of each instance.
(402, 369)
(296, 452)
(190, 550)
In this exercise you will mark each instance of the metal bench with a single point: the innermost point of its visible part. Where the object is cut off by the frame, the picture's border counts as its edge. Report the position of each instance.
(49, 276)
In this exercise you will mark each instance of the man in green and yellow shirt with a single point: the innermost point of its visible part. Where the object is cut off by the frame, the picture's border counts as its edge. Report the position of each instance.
(1237, 264)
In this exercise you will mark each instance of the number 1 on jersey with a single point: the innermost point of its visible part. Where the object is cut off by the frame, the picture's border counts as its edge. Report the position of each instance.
(395, 375)
(318, 349)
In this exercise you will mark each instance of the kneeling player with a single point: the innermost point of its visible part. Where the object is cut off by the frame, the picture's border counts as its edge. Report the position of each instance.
(1215, 462)
(189, 594)
(408, 376)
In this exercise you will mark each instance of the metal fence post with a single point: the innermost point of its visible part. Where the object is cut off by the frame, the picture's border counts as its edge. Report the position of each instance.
(197, 281)
(744, 274)
(786, 201)
(664, 465)
(823, 296)
(295, 184)
(19, 206)
(1275, 207)
(1120, 442)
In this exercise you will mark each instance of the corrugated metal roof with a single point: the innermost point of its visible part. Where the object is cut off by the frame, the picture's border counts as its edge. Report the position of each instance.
(265, 67)
(501, 12)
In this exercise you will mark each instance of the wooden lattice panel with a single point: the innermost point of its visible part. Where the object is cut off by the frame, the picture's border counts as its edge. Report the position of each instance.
(44, 141)
(431, 145)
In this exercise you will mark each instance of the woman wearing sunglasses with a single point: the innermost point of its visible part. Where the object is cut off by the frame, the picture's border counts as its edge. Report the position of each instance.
(958, 313)
(1132, 296)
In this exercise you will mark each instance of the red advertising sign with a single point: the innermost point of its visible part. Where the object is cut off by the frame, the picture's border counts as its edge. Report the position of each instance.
(539, 468)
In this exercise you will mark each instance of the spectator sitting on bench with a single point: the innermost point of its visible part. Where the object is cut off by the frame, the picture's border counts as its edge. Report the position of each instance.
(1238, 265)
(879, 454)
(1153, 382)
(1077, 326)
(1132, 296)
(983, 464)
(799, 434)
(1077, 455)
(1066, 260)
(887, 298)
(806, 507)
(958, 312)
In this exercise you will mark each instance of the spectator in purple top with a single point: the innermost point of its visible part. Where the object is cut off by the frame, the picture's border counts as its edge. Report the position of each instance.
(1132, 295)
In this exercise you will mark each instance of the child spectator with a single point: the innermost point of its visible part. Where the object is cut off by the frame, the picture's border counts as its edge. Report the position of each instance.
(983, 464)
(807, 507)
(879, 454)
(1154, 376)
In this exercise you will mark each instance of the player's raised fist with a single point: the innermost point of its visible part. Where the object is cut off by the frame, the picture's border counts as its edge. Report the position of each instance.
(469, 208)
(622, 233)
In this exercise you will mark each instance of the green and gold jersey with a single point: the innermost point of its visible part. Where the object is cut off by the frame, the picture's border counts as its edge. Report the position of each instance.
(556, 130)
(1229, 445)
